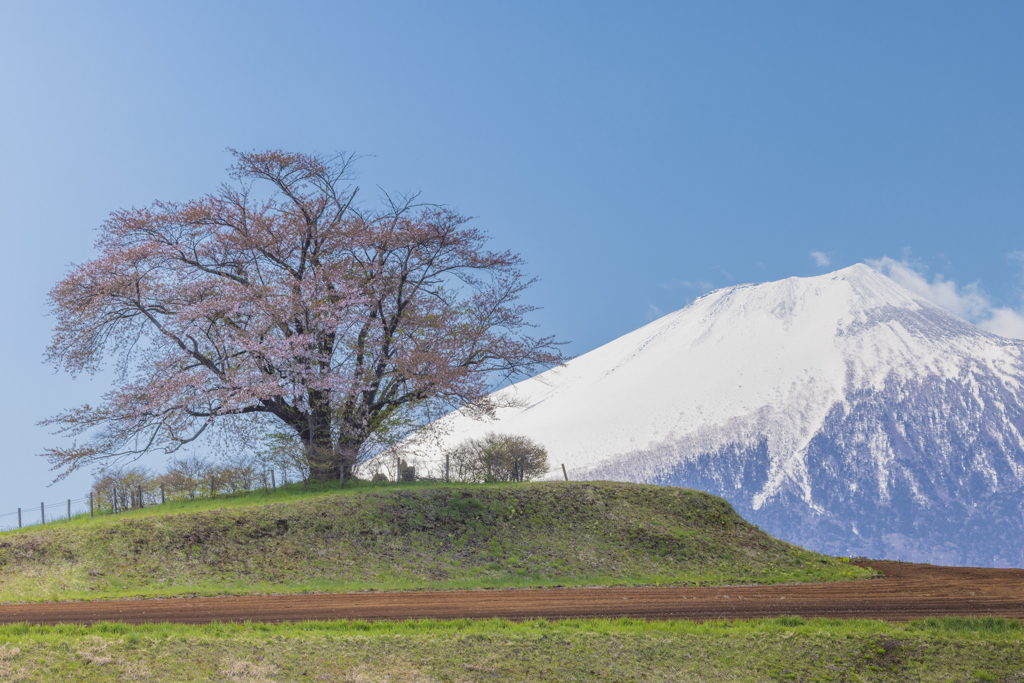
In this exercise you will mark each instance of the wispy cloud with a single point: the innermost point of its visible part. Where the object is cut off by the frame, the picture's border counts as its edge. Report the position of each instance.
(723, 271)
(821, 258)
(703, 286)
(653, 312)
(1018, 258)
(969, 302)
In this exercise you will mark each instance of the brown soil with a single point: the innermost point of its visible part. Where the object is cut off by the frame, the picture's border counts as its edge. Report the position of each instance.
(908, 591)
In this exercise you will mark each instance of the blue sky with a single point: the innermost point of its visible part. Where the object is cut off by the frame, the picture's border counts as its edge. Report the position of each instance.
(636, 154)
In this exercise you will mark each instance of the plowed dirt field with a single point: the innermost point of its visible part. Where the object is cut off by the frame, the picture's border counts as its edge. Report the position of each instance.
(908, 591)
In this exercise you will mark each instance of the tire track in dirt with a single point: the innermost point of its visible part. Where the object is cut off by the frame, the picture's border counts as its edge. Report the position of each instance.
(908, 591)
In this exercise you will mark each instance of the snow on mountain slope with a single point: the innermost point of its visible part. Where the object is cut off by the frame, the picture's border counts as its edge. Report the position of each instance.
(810, 403)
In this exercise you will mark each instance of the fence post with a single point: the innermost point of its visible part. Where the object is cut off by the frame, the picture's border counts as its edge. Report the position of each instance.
(163, 496)
(113, 498)
(341, 477)
(447, 463)
(564, 473)
(42, 512)
(19, 518)
(69, 509)
(142, 503)
(273, 482)
(90, 503)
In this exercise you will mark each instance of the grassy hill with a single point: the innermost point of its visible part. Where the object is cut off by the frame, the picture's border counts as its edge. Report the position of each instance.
(407, 537)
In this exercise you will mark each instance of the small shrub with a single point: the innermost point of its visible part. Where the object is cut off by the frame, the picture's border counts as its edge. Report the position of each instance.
(498, 457)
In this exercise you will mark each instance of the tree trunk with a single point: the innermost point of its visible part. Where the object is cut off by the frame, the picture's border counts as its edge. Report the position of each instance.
(345, 458)
(316, 437)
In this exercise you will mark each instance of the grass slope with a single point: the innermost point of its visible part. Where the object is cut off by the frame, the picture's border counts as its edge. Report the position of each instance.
(409, 537)
(783, 649)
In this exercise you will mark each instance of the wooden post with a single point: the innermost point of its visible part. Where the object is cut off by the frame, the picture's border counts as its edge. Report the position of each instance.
(163, 495)
(515, 471)
(447, 463)
(90, 504)
(42, 512)
(341, 476)
(564, 473)
(19, 518)
(114, 500)
(69, 509)
(273, 481)
(142, 504)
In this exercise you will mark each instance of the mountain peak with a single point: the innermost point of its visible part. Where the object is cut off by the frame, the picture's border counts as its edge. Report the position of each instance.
(748, 390)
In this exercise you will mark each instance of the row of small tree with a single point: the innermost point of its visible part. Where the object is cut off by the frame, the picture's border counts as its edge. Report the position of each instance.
(495, 457)
(185, 479)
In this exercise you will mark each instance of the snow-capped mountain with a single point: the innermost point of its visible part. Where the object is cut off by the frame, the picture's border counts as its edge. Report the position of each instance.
(840, 412)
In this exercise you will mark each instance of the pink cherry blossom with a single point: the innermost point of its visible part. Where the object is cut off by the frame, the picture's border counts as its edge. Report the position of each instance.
(295, 306)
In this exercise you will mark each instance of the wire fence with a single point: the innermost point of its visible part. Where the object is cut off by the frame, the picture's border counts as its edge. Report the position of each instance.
(43, 512)
(116, 500)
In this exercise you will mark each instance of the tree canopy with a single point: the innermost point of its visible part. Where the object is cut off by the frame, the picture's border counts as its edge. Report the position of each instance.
(279, 300)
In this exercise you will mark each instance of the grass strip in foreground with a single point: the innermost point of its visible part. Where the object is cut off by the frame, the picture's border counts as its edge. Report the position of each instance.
(783, 649)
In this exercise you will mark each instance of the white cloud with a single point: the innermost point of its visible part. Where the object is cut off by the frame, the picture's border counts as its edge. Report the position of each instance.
(1005, 322)
(821, 258)
(969, 302)
(653, 312)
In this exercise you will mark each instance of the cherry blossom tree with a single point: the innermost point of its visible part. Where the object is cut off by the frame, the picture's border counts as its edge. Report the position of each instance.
(280, 300)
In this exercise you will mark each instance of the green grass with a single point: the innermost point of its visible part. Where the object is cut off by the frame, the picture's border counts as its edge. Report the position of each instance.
(783, 649)
(406, 537)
